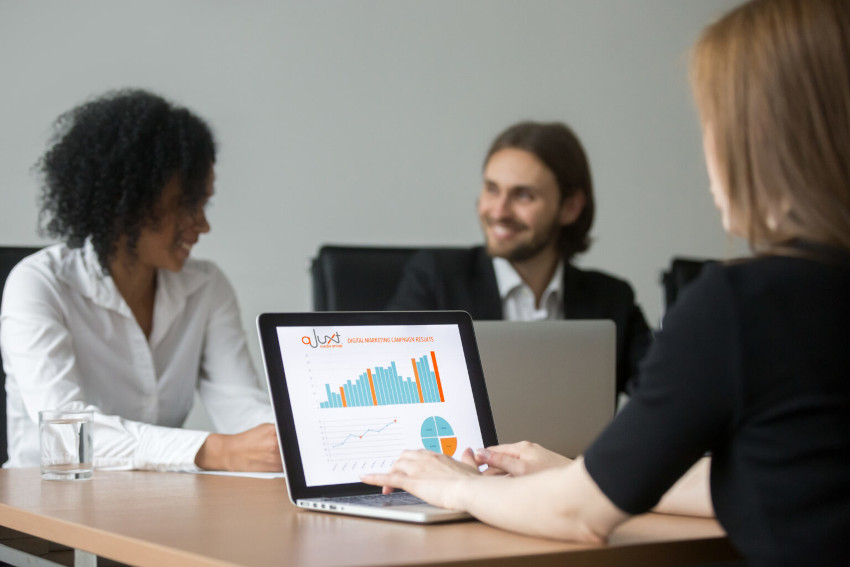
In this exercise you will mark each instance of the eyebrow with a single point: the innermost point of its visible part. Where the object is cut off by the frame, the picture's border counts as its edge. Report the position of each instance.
(514, 187)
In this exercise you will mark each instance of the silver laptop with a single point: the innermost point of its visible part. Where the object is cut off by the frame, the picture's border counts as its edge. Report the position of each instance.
(551, 382)
(352, 390)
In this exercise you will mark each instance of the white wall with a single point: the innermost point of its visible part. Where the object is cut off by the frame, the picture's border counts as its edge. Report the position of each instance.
(366, 121)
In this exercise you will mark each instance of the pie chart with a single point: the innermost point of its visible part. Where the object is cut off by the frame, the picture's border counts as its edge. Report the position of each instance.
(438, 436)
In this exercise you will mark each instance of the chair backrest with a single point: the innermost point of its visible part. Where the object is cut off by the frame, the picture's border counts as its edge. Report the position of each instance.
(681, 272)
(9, 257)
(356, 278)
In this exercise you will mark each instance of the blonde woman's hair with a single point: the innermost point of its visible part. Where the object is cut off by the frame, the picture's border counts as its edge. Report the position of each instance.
(771, 81)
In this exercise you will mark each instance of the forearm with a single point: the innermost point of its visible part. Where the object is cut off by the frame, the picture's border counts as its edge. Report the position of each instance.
(561, 503)
(691, 495)
(255, 450)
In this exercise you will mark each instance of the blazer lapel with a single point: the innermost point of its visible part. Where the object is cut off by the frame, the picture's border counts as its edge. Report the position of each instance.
(488, 303)
(572, 298)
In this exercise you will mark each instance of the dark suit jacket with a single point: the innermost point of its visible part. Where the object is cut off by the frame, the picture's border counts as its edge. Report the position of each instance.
(465, 279)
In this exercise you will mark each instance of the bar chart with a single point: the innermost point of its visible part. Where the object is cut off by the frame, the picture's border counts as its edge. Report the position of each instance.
(385, 385)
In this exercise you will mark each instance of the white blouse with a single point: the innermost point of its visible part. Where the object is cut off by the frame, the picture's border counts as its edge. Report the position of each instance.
(70, 341)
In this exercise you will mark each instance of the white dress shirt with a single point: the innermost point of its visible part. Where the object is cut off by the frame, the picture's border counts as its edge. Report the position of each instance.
(70, 341)
(518, 298)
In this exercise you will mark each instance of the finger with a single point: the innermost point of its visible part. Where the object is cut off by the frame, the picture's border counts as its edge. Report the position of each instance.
(468, 458)
(502, 461)
(374, 479)
(513, 449)
(411, 462)
(388, 481)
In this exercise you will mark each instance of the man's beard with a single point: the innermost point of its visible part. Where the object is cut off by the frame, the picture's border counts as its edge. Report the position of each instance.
(528, 250)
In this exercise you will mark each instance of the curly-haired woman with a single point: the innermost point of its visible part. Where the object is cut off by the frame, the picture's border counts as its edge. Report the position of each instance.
(118, 319)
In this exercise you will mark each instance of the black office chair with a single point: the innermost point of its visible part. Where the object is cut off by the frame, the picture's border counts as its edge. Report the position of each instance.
(681, 272)
(9, 257)
(356, 278)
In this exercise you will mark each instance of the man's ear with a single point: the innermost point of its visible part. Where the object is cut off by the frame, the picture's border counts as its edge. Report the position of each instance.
(572, 207)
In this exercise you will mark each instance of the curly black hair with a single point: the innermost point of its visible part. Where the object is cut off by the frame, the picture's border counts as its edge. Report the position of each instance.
(108, 162)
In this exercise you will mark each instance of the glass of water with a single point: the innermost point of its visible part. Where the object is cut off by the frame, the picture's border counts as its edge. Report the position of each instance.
(66, 444)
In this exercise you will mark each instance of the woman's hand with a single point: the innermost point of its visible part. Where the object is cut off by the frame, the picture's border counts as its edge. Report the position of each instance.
(255, 450)
(517, 459)
(431, 476)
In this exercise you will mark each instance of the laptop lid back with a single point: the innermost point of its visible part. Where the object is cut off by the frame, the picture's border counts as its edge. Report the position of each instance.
(550, 382)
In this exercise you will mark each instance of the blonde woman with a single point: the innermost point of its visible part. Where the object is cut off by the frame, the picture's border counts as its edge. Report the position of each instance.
(753, 363)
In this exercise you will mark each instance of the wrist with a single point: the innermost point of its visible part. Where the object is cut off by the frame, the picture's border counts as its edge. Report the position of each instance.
(211, 454)
(462, 495)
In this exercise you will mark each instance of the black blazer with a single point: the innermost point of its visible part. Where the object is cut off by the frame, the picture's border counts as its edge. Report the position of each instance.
(465, 279)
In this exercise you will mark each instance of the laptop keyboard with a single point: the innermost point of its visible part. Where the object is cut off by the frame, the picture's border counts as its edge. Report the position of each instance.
(380, 500)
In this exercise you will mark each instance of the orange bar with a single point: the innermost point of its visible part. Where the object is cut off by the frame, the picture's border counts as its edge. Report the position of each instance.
(342, 393)
(372, 387)
(437, 373)
(418, 385)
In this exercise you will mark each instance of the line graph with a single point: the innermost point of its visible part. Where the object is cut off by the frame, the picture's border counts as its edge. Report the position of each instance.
(360, 436)
(362, 443)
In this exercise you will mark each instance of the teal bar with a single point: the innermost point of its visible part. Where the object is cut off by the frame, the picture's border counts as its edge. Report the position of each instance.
(379, 374)
(390, 386)
(393, 386)
(423, 381)
(414, 395)
(396, 383)
(388, 377)
(379, 390)
(349, 399)
(433, 378)
(379, 387)
(435, 395)
(328, 390)
(425, 378)
(359, 387)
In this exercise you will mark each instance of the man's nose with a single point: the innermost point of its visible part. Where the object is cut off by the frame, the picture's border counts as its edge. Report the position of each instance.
(503, 206)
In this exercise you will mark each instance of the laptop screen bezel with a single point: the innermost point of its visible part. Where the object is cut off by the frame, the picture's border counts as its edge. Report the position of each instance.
(267, 325)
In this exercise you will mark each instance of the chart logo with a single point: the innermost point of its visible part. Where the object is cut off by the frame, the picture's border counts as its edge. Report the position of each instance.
(329, 341)
(438, 436)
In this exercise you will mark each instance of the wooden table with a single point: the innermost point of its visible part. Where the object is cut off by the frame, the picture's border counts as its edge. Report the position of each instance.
(163, 519)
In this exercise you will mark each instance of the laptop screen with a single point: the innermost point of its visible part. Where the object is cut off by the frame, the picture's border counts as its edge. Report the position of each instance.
(357, 394)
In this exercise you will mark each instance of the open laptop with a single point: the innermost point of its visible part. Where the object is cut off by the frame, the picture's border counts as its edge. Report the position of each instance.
(551, 382)
(352, 390)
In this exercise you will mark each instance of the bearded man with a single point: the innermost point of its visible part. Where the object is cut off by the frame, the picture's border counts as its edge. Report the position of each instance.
(536, 209)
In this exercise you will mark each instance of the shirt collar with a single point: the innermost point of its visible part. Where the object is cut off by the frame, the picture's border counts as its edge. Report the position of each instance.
(507, 279)
(81, 270)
